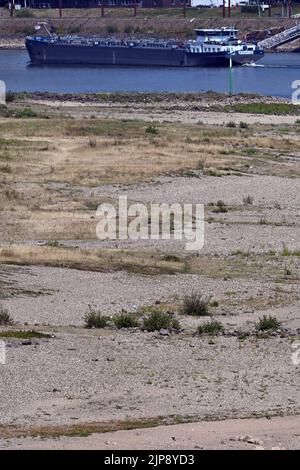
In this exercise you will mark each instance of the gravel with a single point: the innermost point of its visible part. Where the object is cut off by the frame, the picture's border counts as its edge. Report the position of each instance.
(70, 379)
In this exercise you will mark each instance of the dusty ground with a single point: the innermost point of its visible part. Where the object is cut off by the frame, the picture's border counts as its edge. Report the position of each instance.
(53, 174)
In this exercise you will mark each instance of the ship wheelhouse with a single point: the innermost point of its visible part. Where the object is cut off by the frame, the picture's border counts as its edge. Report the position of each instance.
(216, 35)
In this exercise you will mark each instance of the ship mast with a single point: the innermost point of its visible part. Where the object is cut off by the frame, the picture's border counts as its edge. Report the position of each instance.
(43, 24)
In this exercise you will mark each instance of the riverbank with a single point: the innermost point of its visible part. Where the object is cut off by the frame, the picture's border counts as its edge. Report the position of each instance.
(12, 43)
(210, 107)
(63, 155)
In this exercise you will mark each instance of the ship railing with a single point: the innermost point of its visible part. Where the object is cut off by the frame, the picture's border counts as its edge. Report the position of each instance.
(95, 41)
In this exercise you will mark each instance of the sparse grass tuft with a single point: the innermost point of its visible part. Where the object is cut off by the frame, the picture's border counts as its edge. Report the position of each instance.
(195, 304)
(231, 124)
(287, 252)
(95, 319)
(210, 328)
(21, 334)
(201, 164)
(247, 200)
(125, 320)
(268, 323)
(11, 194)
(266, 108)
(152, 130)
(157, 320)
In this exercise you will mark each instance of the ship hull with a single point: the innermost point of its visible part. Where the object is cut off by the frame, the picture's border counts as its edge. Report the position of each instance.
(68, 54)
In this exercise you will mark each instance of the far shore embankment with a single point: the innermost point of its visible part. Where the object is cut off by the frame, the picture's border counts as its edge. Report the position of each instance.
(14, 30)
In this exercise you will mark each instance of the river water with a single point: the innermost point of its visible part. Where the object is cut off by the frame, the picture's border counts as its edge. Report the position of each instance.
(273, 75)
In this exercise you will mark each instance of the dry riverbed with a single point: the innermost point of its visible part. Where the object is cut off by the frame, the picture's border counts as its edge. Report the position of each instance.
(59, 159)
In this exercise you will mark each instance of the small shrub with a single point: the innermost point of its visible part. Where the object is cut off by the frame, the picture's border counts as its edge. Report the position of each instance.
(75, 30)
(29, 30)
(195, 305)
(91, 205)
(9, 97)
(243, 125)
(251, 151)
(4, 112)
(11, 194)
(53, 243)
(24, 13)
(175, 324)
(247, 200)
(92, 143)
(112, 29)
(243, 335)
(125, 320)
(5, 318)
(230, 124)
(26, 113)
(151, 130)
(95, 319)
(210, 328)
(238, 253)
(221, 206)
(171, 258)
(157, 320)
(128, 29)
(268, 323)
(6, 169)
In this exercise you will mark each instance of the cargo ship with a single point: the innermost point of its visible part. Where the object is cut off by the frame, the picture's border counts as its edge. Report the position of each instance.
(211, 47)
